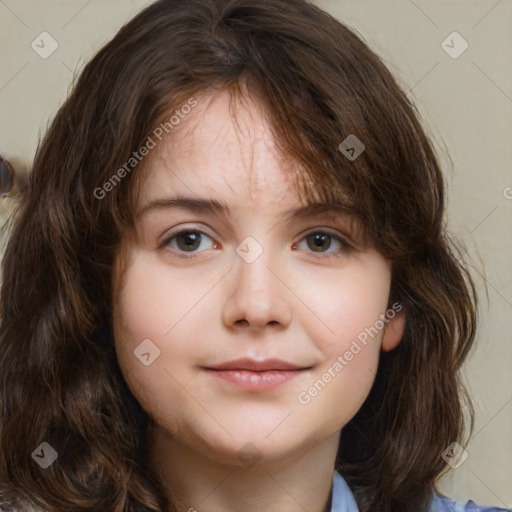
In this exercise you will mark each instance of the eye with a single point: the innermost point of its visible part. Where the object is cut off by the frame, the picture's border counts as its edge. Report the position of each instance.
(188, 241)
(322, 241)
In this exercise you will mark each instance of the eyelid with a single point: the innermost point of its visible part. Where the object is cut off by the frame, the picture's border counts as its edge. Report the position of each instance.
(184, 227)
(331, 232)
(178, 231)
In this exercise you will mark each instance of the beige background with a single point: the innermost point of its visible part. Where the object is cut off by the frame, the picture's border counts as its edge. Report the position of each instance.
(466, 105)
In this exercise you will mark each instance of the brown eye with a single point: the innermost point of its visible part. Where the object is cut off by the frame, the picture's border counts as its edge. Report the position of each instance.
(319, 241)
(326, 244)
(187, 241)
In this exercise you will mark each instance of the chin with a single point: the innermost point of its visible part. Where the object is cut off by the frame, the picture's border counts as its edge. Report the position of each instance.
(254, 449)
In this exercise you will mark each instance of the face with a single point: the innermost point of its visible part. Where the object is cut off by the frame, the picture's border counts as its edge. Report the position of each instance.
(205, 286)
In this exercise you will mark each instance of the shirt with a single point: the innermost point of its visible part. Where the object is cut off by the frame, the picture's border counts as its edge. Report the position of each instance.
(343, 501)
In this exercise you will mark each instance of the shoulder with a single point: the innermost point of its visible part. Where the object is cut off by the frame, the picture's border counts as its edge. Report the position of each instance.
(343, 501)
(443, 504)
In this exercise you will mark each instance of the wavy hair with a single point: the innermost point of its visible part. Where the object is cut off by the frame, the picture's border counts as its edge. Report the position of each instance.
(319, 82)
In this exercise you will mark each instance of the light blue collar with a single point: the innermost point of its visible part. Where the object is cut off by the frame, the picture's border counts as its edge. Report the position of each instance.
(342, 497)
(343, 501)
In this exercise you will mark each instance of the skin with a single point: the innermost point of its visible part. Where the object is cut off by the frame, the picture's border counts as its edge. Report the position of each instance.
(215, 307)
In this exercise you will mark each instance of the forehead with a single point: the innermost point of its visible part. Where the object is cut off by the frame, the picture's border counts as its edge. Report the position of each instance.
(225, 146)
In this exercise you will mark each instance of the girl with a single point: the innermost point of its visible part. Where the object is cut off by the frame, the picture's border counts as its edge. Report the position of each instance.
(228, 285)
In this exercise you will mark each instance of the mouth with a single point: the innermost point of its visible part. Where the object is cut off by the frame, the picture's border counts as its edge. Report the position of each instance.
(258, 366)
(257, 376)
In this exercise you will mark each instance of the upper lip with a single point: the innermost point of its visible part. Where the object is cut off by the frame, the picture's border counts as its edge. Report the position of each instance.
(257, 366)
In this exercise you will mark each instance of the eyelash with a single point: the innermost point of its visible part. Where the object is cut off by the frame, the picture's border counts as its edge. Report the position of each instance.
(345, 245)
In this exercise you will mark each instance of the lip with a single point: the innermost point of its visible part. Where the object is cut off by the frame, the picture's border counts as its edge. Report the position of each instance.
(252, 375)
(257, 366)
(255, 381)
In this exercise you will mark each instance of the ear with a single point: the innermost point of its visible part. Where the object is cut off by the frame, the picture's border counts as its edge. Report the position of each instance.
(393, 332)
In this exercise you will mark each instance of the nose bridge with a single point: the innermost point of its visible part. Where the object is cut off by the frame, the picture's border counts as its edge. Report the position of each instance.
(255, 278)
(258, 297)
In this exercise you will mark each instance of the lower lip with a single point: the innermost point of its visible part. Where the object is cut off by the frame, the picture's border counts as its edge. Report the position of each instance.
(255, 381)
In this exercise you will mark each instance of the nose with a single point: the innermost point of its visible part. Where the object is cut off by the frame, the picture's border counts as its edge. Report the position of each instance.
(258, 296)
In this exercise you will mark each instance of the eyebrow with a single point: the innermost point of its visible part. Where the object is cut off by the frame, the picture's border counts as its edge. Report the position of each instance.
(215, 207)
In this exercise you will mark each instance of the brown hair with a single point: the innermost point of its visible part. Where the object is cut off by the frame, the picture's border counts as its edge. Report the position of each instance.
(319, 83)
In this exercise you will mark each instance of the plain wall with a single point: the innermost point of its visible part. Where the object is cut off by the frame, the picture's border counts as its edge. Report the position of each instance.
(465, 103)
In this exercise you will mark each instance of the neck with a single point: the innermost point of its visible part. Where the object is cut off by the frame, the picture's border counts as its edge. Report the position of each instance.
(195, 479)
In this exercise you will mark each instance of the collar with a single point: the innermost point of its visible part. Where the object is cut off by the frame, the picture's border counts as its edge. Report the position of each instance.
(343, 501)
(342, 497)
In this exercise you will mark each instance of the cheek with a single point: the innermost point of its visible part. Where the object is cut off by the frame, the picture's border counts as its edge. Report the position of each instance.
(159, 322)
(347, 329)
(347, 305)
(153, 302)
(153, 359)
(148, 309)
